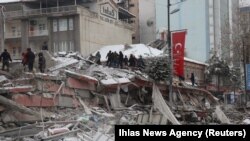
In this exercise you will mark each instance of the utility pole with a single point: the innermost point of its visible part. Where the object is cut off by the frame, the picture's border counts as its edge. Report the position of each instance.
(170, 57)
(244, 65)
(3, 27)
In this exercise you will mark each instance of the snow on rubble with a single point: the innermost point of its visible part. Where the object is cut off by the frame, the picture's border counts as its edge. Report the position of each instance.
(135, 49)
(92, 98)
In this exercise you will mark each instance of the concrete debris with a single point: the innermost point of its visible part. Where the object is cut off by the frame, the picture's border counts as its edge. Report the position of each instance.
(161, 105)
(221, 116)
(77, 100)
(246, 121)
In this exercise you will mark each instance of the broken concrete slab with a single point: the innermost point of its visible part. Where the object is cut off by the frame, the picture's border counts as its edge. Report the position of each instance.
(79, 84)
(161, 105)
(18, 107)
(33, 100)
(52, 87)
(82, 77)
(17, 89)
(62, 63)
(45, 76)
(115, 81)
(221, 116)
(29, 130)
(15, 116)
(65, 101)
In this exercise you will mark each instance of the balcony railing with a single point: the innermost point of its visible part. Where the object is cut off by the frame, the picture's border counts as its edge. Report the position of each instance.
(38, 33)
(9, 35)
(42, 11)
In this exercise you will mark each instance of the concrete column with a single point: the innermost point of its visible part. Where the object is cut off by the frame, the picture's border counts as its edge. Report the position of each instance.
(25, 34)
(2, 33)
(50, 32)
(77, 28)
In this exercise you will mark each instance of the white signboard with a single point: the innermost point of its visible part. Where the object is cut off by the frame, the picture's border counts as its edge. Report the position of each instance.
(244, 3)
(108, 10)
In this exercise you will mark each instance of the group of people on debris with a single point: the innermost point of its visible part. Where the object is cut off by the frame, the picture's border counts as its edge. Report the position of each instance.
(28, 59)
(119, 60)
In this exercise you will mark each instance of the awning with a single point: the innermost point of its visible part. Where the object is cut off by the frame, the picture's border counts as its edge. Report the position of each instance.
(125, 14)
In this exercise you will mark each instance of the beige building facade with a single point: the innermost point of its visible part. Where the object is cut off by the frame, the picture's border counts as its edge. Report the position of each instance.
(63, 25)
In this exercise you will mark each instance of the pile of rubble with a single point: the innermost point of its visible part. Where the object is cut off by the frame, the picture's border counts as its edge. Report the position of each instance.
(80, 100)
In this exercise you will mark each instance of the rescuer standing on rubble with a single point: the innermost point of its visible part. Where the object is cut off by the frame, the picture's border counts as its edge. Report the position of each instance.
(30, 59)
(41, 62)
(5, 57)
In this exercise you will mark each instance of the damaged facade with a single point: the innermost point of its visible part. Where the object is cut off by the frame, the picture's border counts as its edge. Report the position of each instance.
(65, 26)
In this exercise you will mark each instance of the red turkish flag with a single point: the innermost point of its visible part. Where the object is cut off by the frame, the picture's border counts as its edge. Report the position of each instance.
(178, 46)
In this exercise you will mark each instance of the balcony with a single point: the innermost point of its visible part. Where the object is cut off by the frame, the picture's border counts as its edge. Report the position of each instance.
(38, 33)
(44, 11)
(10, 35)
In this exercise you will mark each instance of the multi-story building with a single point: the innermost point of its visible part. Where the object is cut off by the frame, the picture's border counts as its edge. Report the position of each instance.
(205, 21)
(145, 22)
(74, 25)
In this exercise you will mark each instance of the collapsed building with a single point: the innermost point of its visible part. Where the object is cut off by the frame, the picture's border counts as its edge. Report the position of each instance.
(79, 100)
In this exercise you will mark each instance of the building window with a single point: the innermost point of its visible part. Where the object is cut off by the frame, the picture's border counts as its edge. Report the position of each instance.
(131, 5)
(133, 37)
(71, 24)
(41, 28)
(55, 25)
(63, 25)
(13, 31)
(14, 51)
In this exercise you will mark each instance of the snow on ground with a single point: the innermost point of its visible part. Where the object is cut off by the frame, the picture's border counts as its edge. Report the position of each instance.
(136, 49)
(62, 62)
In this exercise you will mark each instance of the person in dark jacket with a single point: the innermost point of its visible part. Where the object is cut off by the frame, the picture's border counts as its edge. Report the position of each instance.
(140, 62)
(125, 60)
(41, 62)
(192, 79)
(109, 55)
(132, 60)
(5, 57)
(115, 59)
(30, 59)
(98, 58)
(121, 59)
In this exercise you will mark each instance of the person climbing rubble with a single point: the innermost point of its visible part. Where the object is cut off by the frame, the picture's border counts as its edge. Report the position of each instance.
(5, 57)
(41, 62)
(120, 59)
(109, 57)
(192, 79)
(98, 58)
(140, 63)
